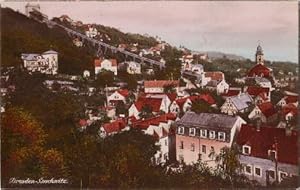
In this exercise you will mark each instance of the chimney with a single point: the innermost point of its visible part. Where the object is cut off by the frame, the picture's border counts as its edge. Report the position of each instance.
(258, 124)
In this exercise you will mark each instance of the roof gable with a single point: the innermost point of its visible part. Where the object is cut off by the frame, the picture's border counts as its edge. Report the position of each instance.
(270, 138)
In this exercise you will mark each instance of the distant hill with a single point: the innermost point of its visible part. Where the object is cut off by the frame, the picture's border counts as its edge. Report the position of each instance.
(219, 55)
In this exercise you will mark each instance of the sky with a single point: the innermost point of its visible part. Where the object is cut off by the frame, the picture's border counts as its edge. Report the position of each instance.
(227, 26)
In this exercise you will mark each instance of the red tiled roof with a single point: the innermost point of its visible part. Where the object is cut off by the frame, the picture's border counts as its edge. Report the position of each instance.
(144, 124)
(291, 99)
(206, 97)
(98, 62)
(289, 108)
(114, 126)
(113, 62)
(160, 83)
(265, 139)
(154, 103)
(263, 95)
(259, 70)
(172, 96)
(180, 102)
(217, 75)
(267, 109)
(231, 92)
(82, 122)
(123, 92)
(256, 90)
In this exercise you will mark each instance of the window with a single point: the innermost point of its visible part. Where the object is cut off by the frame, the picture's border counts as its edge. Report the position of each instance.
(181, 130)
(192, 131)
(248, 170)
(166, 142)
(221, 136)
(257, 171)
(204, 149)
(282, 175)
(203, 133)
(272, 174)
(246, 150)
(212, 149)
(181, 158)
(193, 147)
(272, 154)
(181, 145)
(212, 134)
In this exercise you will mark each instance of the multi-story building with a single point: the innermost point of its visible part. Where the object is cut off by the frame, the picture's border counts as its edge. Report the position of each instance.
(202, 136)
(46, 62)
(269, 154)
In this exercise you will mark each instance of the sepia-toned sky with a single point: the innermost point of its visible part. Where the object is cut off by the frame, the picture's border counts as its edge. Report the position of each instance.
(230, 27)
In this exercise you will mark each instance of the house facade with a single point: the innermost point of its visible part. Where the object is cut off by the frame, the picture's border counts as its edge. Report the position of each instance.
(106, 64)
(202, 136)
(134, 67)
(219, 86)
(158, 86)
(266, 112)
(160, 128)
(46, 62)
(237, 104)
(119, 95)
(157, 103)
(269, 154)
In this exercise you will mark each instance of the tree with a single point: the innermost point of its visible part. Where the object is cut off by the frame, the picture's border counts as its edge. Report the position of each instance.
(22, 143)
(201, 106)
(146, 111)
(127, 161)
(169, 89)
(104, 78)
(229, 166)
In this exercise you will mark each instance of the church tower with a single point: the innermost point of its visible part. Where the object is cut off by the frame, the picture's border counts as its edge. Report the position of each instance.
(259, 55)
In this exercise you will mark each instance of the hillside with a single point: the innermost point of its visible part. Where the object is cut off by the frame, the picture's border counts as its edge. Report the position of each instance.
(23, 35)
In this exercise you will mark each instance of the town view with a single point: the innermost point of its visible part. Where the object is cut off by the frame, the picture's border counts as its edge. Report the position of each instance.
(149, 95)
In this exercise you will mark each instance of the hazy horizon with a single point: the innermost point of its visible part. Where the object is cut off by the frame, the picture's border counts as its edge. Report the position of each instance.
(230, 27)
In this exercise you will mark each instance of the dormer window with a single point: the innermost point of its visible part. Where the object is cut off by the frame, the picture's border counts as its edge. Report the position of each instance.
(203, 133)
(181, 130)
(221, 136)
(246, 150)
(212, 134)
(192, 131)
(272, 154)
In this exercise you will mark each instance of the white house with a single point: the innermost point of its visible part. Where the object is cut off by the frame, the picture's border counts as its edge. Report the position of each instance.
(219, 86)
(160, 128)
(237, 104)
(157, 103)
(288, 99)
(265, 112)
(109, 129)
(46, 62)
(119, 95)
(158, 86)
(134, 67)
(91, 32)
(106, 64)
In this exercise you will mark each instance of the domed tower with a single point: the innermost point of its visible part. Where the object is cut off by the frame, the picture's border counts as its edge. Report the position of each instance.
(259, 55)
